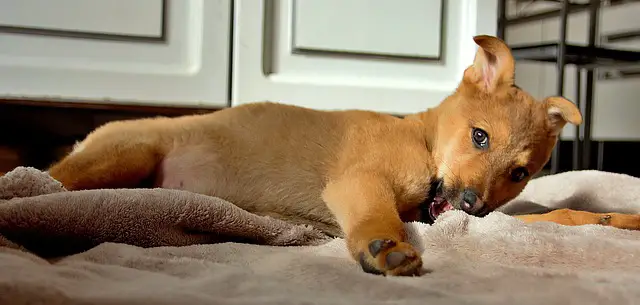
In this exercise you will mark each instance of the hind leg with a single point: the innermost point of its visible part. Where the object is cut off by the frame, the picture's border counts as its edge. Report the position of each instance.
(576, 218)
(107, 161)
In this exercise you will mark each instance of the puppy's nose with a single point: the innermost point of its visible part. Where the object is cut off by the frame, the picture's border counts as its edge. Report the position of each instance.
(470, 202)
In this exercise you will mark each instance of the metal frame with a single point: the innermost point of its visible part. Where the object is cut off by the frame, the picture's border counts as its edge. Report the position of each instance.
(560, 68)
(582, 140)
(586, 110)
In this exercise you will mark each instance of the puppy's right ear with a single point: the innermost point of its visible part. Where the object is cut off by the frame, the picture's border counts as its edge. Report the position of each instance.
(561, 111)
(493, 65)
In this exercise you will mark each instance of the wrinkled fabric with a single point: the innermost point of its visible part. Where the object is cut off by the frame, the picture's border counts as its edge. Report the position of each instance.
(173, 247)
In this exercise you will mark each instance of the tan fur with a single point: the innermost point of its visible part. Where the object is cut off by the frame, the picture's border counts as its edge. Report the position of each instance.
(356, 174)
(570, 217)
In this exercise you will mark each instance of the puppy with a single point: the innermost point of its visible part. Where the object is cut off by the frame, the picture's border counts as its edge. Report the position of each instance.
(353, 174)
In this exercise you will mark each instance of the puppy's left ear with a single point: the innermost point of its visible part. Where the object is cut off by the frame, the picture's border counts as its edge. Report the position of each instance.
(493, 65)
(561, 111)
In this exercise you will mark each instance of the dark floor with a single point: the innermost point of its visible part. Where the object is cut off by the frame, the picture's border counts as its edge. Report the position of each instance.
(619, 157)
(36, 133)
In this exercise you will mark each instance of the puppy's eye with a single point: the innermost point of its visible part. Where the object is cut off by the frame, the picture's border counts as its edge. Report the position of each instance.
(480, 138)
(519, 174)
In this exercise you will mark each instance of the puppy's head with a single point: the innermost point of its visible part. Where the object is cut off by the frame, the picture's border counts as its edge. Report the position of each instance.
(491, 136)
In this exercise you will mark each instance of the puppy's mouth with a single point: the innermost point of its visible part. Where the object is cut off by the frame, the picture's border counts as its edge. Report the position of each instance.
(436, 203)
(442, 199)
(438, 206)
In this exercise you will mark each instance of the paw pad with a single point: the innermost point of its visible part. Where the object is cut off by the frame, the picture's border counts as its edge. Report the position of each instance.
(395, 259)
(379, 245)
(366, 266)
(389, 257)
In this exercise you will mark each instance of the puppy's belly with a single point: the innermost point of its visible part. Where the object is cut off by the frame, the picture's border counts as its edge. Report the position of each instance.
(295, 197)
(187, 170)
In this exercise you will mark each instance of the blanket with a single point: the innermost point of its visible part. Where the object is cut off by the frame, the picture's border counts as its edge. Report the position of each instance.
(157, 246)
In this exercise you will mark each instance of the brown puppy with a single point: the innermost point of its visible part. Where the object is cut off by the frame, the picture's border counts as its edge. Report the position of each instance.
(356, 174)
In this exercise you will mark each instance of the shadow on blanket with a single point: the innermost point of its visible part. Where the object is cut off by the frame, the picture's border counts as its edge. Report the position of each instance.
(170, 247)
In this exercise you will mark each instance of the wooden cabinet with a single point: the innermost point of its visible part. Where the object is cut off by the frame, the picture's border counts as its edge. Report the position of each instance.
(396, 56)
(150, 52)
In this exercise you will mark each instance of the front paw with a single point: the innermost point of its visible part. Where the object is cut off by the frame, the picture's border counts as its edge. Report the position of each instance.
(389, 257)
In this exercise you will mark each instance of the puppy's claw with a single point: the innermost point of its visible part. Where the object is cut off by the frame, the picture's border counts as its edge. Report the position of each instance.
(605, 219)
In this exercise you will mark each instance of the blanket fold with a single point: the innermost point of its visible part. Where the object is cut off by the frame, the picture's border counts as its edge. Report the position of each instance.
(39, 214)
(153, 246)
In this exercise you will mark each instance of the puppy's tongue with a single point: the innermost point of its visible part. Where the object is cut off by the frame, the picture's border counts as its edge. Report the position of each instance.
(439, 206)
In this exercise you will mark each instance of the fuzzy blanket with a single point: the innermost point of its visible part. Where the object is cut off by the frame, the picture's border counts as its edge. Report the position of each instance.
(174, 247)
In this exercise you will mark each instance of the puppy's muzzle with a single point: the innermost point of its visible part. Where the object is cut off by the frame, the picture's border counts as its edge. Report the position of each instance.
(471, 202)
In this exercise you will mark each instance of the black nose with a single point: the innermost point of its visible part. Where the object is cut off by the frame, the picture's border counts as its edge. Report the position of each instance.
(469, 199)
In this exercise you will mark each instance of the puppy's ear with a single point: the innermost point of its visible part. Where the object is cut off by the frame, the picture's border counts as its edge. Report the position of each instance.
(561, 111)
(493, 65)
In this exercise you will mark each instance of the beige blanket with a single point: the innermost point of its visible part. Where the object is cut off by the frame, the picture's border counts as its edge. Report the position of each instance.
(176, 260)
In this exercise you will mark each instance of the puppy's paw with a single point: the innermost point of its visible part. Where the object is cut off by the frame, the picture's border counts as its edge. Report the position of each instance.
(621, 221)
(389, 257)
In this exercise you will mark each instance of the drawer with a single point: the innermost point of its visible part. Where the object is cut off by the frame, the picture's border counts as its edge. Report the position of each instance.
(111, 17)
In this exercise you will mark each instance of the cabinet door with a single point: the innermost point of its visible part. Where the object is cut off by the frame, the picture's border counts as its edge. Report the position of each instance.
(152, 52)
(397, 56)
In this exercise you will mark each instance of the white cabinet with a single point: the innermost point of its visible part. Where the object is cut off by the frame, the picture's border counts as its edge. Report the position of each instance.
(140, 18)
(361, 31)
(397, 56)
(152, 52)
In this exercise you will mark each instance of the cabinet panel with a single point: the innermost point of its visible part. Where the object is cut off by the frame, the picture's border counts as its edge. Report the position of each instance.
(268, 67)
(362, 27)
(142, 18)
(188, 67)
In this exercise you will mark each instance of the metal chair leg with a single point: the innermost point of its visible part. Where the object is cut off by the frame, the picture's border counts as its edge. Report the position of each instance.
(560, 67)
(577, 143)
